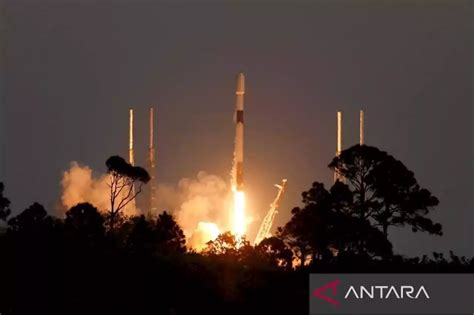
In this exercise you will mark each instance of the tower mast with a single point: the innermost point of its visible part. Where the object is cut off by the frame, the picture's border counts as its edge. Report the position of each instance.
(131, 156)
(339, 142)
(151, 163)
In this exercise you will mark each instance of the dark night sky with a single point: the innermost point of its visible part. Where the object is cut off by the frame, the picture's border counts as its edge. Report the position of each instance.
(73, 70)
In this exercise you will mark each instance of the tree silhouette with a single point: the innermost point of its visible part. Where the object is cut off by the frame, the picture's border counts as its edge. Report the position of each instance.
(84, 224)
(225, 244)
(276, 252)
(163, 235)
(385, 191)
(33, 240)
(125, 184)
(403, 201)
(4, 205)
(169, 235)
(32, 221)
(298, 233)
(72, 266)
(355, 165)
(326, 226)
(141, 238)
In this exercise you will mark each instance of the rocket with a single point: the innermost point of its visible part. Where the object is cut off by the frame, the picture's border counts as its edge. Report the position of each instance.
(239, 133)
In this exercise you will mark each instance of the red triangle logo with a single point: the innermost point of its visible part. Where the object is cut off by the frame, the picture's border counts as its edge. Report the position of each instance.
(319, 292)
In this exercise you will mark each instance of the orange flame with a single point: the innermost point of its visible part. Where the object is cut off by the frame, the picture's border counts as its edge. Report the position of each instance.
(239, 224)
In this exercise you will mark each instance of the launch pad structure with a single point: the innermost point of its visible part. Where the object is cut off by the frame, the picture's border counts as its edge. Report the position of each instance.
(267, 222)
(149, 204)
(338, 176)
(238, 158)
(151, 163)
(131, 154)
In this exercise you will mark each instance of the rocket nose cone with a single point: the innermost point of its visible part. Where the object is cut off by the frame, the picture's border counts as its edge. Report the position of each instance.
(240, 84)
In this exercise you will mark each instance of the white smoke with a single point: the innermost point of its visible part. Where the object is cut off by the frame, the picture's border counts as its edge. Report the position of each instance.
(200, 205)
(80, 185)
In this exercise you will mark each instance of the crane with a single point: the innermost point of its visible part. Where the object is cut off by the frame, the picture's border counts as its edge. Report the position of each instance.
(267, 222)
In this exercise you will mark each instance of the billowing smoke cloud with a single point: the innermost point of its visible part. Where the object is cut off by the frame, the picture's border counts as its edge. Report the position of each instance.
(79, 185)
(204, 232)
(201, 206)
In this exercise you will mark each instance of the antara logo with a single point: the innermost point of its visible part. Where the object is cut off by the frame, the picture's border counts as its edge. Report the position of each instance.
(370, 292)
(386, 292)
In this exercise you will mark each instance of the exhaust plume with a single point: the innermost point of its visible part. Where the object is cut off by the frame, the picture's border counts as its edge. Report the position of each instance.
(200, 206)
(80, 185)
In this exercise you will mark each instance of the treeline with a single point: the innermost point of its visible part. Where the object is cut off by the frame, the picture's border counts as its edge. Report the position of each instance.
(93, 262)
(77, 265)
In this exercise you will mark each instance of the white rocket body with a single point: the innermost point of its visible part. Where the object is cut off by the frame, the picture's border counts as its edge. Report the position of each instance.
(239, 132)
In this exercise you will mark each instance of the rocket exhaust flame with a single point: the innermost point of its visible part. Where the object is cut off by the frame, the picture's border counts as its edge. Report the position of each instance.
(239, 224)
(239, 213)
